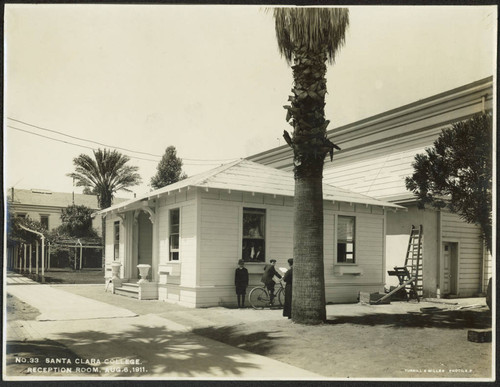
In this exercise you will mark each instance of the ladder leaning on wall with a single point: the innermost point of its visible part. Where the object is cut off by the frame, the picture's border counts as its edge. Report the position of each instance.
(410, 275)
(413, 262)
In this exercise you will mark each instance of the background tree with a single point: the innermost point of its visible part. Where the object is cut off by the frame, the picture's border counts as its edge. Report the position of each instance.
(77, 222)
(308, 38)
(105, 174)
(457, 173)
(16, 234)
(169, 170)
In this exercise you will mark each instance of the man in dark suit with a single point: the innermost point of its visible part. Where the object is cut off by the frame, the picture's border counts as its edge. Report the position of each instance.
(267, 278)
(241, 282)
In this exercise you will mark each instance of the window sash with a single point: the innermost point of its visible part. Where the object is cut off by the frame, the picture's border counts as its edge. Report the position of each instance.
(254, 235)
(174, 234)
(346, 239)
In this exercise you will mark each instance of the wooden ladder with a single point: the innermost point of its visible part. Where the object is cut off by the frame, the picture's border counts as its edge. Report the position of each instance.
(410, 275)
(413, 263)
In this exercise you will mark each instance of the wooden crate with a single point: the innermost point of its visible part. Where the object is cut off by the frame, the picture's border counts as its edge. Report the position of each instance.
(479, 335)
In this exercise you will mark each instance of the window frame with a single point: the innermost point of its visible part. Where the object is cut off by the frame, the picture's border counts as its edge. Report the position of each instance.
(174, 252)
(44, 216)
(257, 240)
(346, 242)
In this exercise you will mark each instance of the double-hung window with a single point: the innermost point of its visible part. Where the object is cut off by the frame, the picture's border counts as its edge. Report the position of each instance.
(254, 235)
(174, 230)
(346, 235)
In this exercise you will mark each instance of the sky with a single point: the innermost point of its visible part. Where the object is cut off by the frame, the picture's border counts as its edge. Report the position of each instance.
(208, 80)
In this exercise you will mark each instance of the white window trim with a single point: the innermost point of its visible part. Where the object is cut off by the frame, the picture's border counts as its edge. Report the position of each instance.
(335, 233)
(266, 233)
(179, 250)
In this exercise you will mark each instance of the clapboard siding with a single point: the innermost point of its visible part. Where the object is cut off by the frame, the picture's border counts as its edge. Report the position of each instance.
(381, 176)
(369, 256)
(187, 243)
(219, 241)
(470, 259)
(280, 234)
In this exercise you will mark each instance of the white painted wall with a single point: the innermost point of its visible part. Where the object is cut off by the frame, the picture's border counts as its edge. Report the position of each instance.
(470, 252)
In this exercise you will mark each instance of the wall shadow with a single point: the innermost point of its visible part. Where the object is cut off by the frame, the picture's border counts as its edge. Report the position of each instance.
(451, 319)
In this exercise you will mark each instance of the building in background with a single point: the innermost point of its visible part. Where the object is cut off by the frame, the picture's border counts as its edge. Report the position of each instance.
(46, 206)
(376, 156)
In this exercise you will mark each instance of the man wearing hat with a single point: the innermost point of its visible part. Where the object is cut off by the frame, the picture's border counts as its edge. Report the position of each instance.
(267, 278)
(241, 282)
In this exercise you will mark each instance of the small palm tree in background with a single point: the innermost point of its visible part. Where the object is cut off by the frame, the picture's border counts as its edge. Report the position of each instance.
(104, 174)
(308, 38)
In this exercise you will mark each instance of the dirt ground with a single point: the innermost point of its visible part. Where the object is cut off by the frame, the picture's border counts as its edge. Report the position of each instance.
(358, 341)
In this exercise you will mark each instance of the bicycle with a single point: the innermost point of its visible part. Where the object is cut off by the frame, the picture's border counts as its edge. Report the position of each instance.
(259, 297)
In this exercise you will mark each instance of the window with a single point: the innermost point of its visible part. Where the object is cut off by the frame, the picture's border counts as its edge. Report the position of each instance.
(44, 221)
(116, 241)
(346, 230)
(254, 231)
(174, 234)
(22, 216)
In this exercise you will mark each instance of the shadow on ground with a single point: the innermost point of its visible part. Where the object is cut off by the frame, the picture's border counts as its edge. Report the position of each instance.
(162, 351)
(256, 342)
(452, 319)
(21, 355)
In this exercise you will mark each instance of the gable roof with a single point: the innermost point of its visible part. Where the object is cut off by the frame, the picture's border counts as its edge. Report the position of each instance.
(45, 198)
(248, 176)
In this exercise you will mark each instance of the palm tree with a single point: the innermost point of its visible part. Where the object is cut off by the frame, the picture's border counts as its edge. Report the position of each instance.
(105, 174)
(308, 38)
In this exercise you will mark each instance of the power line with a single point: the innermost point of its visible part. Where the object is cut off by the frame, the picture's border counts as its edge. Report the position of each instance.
(71, 143)
(207, 162)
(81, 139)
(110, 146)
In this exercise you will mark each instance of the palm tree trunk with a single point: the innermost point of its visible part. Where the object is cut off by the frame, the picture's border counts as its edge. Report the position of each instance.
(307, 110)
(308, 300)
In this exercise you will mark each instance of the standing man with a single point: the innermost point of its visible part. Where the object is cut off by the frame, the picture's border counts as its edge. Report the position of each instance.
(241, 282)
(267, 278)
(288, 278)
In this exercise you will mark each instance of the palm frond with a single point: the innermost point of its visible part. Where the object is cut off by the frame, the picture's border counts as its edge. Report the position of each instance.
(312, 28)
(105, 174)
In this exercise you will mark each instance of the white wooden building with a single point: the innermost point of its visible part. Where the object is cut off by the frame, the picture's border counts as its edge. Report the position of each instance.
(376, 156)
(192, 234)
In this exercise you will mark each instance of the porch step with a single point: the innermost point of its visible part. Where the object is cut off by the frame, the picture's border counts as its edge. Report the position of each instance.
(128, 290)
(145, 291)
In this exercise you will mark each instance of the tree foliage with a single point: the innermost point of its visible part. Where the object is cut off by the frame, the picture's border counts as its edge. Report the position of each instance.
(17, 234)
(457, 173)
(77, 222)
(105, 174)
(169, 170)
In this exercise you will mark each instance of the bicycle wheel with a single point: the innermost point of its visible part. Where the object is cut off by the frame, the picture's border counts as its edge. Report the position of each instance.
(258, 298)
(281, 297)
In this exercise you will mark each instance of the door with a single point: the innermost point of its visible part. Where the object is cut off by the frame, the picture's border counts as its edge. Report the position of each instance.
(450, 268)
(145, 242)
